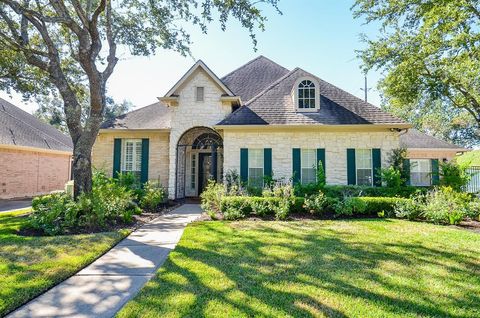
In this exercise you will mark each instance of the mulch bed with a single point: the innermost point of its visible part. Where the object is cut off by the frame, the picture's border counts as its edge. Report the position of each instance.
(138, 221)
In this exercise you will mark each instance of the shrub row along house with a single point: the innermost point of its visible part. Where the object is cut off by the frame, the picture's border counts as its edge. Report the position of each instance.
(35, 158)
(261, 120)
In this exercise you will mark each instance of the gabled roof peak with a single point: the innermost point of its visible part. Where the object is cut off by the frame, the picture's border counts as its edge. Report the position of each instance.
(202, 65)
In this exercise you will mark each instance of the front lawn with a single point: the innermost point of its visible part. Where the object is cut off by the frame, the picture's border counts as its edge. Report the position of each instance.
(31, 265)
(343, 268)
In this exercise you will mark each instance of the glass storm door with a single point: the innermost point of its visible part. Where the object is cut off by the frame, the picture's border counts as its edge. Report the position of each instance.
(204, 170)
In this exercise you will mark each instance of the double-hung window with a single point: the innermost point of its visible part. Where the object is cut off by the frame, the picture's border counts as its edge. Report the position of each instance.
(363, 163)
(255, 167)
(132, 156)
(420, 172)
(309, 164)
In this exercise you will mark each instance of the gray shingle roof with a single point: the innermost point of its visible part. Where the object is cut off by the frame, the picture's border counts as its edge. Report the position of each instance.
(20, 128)
(274, 105)
(250, 79)
(154, 116)
(416, 139)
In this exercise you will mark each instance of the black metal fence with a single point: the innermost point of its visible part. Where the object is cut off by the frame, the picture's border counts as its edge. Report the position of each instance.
(473, 185)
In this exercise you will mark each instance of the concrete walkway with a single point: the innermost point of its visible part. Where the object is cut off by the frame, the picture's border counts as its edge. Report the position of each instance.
(103, 287)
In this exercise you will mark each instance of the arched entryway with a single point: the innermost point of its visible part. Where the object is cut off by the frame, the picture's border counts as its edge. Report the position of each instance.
(199, 158)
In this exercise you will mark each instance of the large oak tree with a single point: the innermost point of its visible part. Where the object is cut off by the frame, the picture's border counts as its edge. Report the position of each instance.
(428, 50)
(69, 48)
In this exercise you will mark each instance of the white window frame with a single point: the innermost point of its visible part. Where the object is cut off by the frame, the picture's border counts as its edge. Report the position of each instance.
(416, 172)
(256, 153)
(295, 91)
(136, 155)
(360, 166)
(304, 165)
(197, 96)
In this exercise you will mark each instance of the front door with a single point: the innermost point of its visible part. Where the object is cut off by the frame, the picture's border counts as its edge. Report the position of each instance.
(204, 170)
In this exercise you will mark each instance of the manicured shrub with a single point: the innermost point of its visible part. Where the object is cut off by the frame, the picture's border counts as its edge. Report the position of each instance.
(153, 196)
(350, 206)
(315, 203)
(446, 206)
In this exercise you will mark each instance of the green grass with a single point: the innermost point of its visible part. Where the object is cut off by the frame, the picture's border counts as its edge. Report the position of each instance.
(361, 268)
(472, 158)
(31, 265)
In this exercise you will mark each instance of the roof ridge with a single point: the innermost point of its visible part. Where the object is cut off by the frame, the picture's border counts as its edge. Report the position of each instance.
(34, 128)
(250, 62)
(269, 87)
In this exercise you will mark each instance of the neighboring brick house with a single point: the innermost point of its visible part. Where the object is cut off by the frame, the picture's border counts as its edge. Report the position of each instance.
(261, 119)
(35, 158)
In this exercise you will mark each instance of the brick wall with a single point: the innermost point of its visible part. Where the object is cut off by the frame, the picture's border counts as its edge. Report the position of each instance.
(28, 173)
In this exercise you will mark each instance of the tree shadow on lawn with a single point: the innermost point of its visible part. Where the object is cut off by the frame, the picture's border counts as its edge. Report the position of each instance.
(310, 269)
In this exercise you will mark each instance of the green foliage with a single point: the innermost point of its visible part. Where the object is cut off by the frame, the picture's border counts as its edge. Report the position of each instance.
(427, 51)
(211, 198)
(350, 206)
(409, 208)
(153, 196)
(315, 203)
(261, 208)
(392, 177)
(321, 178)
(108, 203)
(454, 175)
(53, 213)
(446, 206)
(473, 209)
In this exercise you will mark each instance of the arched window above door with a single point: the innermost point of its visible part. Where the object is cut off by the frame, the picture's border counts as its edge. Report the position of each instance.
(206, 141)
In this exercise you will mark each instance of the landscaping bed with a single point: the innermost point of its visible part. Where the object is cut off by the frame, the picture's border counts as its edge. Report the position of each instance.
(329, 268)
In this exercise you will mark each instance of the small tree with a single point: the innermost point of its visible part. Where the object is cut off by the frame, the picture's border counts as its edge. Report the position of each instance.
(69, 48)
(454, 175)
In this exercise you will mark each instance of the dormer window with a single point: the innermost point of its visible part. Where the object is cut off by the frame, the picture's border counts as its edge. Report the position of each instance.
(306, 95)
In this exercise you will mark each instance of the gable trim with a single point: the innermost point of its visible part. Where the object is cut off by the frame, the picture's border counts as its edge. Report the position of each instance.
(199, 64)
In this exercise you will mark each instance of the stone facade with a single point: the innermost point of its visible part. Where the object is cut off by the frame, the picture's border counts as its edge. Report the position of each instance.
(282, 142)
(102, 154)
(189, 113)
(27, 173)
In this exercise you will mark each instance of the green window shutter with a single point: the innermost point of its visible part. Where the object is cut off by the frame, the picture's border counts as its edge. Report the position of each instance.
(117, 155)
(244, 164)
(296, 165)
(267, 162)
(435, 172)
(321, 157)
(351, 167)
(144, 163)
(406, 171)
(376, 166)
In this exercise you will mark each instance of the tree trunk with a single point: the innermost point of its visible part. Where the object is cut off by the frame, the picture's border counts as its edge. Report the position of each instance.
(82, 168)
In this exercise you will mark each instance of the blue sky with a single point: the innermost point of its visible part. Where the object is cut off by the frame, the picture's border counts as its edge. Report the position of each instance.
(319, 36)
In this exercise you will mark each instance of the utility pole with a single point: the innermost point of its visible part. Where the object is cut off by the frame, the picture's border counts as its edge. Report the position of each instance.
(366, 89)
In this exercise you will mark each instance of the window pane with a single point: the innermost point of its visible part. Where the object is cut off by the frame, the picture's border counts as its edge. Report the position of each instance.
(309, 175)
(132, 155)
(420, 172)
(364, 177)
(363, 158)
(255, 177)
(255, 158)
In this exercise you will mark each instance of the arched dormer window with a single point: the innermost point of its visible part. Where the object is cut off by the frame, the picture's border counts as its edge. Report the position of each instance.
(306, 95)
